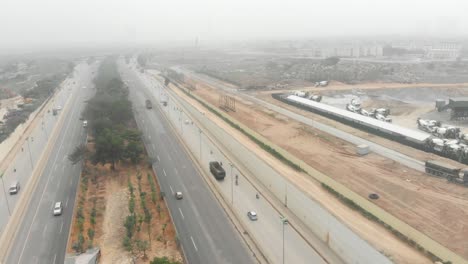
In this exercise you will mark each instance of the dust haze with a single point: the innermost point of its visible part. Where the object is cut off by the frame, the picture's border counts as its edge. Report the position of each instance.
(27, 25)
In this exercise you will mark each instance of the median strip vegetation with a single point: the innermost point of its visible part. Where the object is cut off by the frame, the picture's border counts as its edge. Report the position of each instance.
(116, 205)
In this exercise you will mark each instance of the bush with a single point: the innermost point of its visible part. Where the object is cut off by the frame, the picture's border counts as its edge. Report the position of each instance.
(127, 244)
(91, 233)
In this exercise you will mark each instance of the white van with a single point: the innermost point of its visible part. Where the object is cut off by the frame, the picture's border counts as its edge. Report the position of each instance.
(14, 188)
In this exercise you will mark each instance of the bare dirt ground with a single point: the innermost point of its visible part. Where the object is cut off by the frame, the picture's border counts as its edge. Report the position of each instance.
(110, 189)
(376, 85)
(429, 204)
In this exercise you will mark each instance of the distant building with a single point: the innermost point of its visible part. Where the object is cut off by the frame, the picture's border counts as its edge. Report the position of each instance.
(352, 51)
(444, 51)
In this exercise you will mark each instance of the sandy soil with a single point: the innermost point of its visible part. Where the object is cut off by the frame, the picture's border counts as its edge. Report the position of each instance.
(112, 194)
(376, 85)
(429, 204)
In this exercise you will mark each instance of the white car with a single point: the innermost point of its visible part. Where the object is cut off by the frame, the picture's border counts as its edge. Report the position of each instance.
(59, 107)
(58, 208)
(85, 123)
(252, 215)
(179, 195)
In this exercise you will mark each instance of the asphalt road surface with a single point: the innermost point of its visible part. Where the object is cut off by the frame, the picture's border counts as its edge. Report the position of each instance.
(204, 230)
(42, 237)
(379, 149)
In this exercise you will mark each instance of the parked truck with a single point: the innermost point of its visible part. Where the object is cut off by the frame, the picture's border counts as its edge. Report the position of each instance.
(217, 170)
(149, 105)
(451, 173)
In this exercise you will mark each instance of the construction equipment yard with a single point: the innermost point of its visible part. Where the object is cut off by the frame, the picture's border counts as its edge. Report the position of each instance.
(428, 204)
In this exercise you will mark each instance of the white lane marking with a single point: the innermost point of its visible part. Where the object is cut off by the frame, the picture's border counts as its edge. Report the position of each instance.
(149, 136)
(181, 213)
(172, 191)
(157, 156)
(63, 168)
(61, 227)
(195, 246)
(55, 258)
(169, 156)
(176, 172)
(44, 231)
(47, 184)
(164, 171)
(64, 158)
(55, 167)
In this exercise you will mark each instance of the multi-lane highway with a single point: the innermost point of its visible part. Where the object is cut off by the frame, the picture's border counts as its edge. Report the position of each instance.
(204, 230)
(42, 237)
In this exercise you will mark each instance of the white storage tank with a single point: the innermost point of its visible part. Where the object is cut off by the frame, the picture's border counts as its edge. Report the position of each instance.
(363, 150)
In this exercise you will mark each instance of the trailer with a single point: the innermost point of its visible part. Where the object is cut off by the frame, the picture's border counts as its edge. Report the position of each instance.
(440, 169)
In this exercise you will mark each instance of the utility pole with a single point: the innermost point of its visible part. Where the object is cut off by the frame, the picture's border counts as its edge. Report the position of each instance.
(284, 222)
(232, 185)
(29, 150)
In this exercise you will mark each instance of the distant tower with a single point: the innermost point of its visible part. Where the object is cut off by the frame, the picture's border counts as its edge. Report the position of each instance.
(196, 43)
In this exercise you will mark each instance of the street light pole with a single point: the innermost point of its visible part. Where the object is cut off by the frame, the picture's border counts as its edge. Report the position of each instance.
(232, 185)
(284, 222)
(199, 130)
(6, 197)
(29, 150)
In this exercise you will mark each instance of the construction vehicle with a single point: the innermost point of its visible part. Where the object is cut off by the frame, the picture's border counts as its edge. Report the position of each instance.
(435, 128)
(354, 106)
(217, 170)
(381, 117)
(315, 97)
(321, 84)
(451, 173)
(149, 105)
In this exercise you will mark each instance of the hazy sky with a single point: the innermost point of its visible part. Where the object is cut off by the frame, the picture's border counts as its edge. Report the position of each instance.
(39, 23)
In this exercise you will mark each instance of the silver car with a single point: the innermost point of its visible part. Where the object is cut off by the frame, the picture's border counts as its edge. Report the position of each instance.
(58, 208)
(252, 215)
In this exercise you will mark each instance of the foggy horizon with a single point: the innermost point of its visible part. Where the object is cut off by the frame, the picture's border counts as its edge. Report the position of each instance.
(28, 26)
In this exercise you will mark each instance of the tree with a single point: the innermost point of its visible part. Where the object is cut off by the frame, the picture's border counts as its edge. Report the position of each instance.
(90, 233)
(331, 61)
(129, 224)
(158, 209)
(142, 246)
(164, 226)
(109, 148)
(127, 243)
(148, 217)
(78, 154)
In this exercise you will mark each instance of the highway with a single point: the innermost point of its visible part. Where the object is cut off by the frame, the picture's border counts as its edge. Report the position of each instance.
(379, 149)
(19, 166)
(204, 230)
(276, 240)
(42, 237)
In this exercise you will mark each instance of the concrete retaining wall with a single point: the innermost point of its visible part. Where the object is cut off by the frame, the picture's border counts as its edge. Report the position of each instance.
(341, 239)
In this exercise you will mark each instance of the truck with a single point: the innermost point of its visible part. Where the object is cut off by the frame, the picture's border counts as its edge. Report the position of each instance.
(451, 173)
(149, 105)
(217, 170)
(441, 169)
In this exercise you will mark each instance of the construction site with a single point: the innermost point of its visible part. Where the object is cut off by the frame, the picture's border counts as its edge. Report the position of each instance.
(429, 204)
